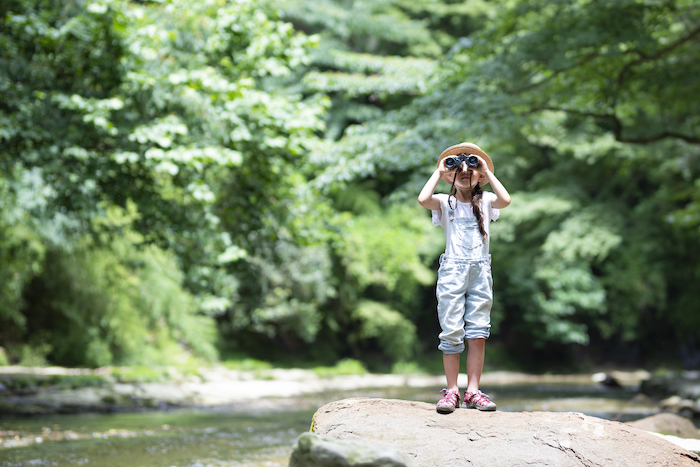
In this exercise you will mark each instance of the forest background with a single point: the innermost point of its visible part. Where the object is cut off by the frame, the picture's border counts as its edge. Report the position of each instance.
(186, 181)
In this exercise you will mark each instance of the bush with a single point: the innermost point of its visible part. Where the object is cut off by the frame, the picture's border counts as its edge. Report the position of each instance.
(247, 364)
(407, 368)
(138, 374)
(115, 300)
(344, 367)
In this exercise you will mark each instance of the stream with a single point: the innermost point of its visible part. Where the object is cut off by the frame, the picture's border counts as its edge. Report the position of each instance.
(256, 433)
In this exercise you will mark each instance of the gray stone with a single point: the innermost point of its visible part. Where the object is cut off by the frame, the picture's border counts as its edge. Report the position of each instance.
(685, 407)
(685, 386)
(668, 424)
(311, 450)
(490, 439)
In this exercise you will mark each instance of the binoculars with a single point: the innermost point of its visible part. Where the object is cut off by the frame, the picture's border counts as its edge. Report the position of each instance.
(455, 162)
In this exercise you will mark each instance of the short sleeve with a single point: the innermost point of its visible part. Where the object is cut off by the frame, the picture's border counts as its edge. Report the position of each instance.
(437, 213)
(493, 212)
(437, 217)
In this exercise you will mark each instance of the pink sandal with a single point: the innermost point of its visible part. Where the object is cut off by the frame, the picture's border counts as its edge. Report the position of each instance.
(449, 402)
(478, 400)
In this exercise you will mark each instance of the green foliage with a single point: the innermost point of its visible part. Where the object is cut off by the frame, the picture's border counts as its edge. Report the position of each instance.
(114, 300)
(247, 364)
(407, 368)
(383, 255)
(603, 179)
(388, 249)
(345, 367)
(34, 355)
(285, 295)
(21, 252)
(164, 106)
(373, 55)
(377, 25)
(631, 72)
(19, 383)
(179, 175)
(369, 75)
(395, 334)
(136, 374)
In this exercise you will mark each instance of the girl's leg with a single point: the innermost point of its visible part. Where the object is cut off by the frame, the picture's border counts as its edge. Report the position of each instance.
(475, 363)
(451, 363)
(451, 398)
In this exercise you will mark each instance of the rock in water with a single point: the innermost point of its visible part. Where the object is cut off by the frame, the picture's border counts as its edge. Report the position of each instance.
(311, 450)
(491, 439)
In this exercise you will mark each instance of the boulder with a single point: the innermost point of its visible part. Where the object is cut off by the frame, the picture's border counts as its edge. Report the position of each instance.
(668, 424)
(311, 450)
(685, 386)
(472, 438)
(684, 407)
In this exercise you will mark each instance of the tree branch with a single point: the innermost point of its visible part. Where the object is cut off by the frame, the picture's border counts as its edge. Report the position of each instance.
(555, 73)
(647, 58)
(619, 128)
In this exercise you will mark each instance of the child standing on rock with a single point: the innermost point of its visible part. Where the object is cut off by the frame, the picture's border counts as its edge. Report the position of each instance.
(464, 286)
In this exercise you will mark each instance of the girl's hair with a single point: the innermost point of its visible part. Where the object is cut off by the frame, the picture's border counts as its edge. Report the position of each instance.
(476, 202)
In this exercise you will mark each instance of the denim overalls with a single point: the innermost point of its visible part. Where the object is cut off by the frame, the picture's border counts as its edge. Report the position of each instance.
(465, 286)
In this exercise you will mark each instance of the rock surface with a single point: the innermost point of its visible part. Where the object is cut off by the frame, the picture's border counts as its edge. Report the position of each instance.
(689, 444)
(472, 438)
(311, 450)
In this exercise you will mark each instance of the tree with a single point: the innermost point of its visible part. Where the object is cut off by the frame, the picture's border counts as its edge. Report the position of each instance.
(595, 203)
(160, 112)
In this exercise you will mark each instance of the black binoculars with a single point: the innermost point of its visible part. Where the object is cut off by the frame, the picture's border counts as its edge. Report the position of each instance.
(455, 162)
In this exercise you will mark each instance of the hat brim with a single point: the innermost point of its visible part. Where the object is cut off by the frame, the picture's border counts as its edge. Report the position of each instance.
(467, 148)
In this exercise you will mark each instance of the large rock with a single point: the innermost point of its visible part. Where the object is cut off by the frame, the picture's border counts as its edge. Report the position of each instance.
(490, 439)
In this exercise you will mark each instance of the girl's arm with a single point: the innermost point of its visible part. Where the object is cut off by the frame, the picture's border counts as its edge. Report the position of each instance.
(502, 196)
(426, 198)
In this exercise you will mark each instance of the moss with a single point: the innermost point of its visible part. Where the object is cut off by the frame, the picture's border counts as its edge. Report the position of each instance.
(4, 361)
(139, 374)
(24, 383)
(407, 368)
(247, 364)
(9, 408)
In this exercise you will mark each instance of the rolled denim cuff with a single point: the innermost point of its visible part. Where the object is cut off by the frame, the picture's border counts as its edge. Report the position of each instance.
(451, 348)
(477, 333)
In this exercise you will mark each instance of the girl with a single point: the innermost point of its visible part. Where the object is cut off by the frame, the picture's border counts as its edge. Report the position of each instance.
(464, 287)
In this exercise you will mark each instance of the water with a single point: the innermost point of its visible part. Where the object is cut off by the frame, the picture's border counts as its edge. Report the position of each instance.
(195, 438)
(252, 435)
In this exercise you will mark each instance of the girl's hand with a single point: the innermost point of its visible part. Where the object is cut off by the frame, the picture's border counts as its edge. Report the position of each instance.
(444, 170)
(482, 168)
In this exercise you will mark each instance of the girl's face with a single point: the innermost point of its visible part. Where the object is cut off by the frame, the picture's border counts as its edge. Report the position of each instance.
(466, 179)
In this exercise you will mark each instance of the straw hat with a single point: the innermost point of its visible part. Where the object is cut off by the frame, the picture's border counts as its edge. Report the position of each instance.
(467, 148)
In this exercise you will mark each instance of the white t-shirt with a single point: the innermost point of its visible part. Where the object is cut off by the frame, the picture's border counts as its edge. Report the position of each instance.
(465, 209)
(441, 218)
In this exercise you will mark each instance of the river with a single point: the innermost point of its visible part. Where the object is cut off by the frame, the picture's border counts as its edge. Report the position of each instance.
(256, 433)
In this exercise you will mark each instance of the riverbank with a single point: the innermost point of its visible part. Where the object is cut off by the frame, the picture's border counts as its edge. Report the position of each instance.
(105, 414)
(37, 391)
